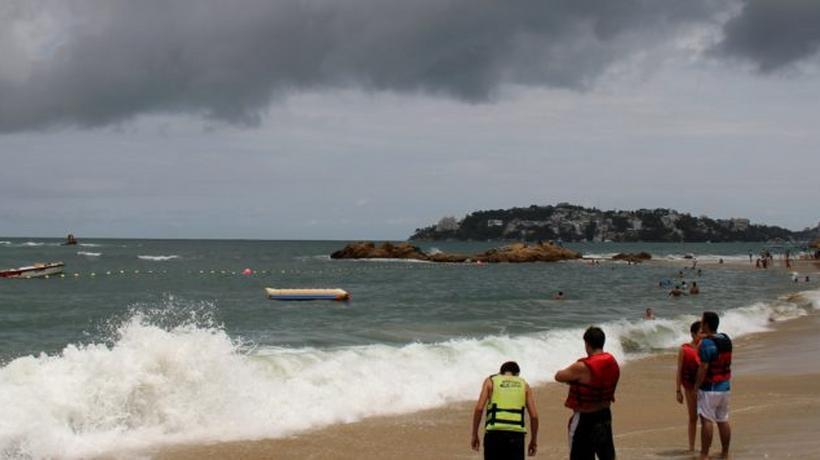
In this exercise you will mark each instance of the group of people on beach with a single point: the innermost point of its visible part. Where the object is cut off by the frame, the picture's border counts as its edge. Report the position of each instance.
(702, 380)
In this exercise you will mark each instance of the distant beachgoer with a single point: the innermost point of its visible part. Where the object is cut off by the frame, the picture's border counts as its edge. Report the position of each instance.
(720, 261)
(694, 290)
(649, 314)
(680, 274)
(504, 398)
(757, 263)
(676, 292)
(688, 363)
(750, 256)
(714, 384)
(700, 272)
(807, 278)
(558, 295)
(592, 382)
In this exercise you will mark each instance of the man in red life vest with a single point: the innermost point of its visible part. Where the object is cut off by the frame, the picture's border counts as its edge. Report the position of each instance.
(686, 377)
(592, 381)
(713, 383)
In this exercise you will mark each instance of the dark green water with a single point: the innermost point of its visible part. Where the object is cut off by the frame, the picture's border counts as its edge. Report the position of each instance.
(392, 302)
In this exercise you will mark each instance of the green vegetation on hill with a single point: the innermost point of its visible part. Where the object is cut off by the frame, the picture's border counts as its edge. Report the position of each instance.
(575, 223)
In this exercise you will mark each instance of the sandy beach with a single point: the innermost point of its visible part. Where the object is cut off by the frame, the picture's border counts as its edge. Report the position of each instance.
(775, 413)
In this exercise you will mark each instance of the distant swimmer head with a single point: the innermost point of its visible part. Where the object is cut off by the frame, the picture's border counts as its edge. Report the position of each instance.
(247, 272)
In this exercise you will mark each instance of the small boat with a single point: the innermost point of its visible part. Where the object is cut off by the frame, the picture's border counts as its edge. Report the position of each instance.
(34, 271)
(307, 294)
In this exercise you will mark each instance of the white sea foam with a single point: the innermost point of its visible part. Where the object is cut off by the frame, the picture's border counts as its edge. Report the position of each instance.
(90, 245)
(155, 382)
(607, 255)
(389, 260)
(89, 254)
(158, 258)
(324, 257)
(5, 242)
(709, 257)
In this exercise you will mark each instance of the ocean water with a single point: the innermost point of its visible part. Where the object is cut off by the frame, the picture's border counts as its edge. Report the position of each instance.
(148, 342)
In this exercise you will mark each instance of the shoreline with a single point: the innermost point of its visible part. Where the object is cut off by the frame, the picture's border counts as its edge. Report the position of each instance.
(775, 411)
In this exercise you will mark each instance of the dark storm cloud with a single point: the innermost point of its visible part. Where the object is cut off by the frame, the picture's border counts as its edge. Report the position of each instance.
(773, 33)
(228, 59)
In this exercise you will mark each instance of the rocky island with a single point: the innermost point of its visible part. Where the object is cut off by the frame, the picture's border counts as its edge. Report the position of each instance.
(514, 253)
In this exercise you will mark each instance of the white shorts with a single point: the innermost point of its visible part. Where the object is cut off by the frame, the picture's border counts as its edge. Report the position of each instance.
(713, 405)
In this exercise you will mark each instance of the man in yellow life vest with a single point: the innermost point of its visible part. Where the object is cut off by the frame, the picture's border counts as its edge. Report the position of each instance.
(504, 397)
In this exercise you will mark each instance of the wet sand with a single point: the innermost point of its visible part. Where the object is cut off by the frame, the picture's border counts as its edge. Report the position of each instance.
(775, 413)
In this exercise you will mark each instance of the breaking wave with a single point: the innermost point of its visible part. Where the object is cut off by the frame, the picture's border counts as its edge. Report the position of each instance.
(171, 374)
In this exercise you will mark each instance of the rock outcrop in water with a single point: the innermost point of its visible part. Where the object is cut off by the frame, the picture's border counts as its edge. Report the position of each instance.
(514, 253)
(369, 250)
(634, 258)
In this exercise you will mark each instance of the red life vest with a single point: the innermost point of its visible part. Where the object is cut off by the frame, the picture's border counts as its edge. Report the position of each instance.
(690, 365)
(604, 374)
(720, 369)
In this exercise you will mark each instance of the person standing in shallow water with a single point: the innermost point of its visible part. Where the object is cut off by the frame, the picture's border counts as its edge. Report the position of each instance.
(688, 364)
(592, 382)
(714, 384)
(505, 397)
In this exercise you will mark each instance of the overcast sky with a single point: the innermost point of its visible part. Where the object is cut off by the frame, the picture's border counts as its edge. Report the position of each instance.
(365, 119)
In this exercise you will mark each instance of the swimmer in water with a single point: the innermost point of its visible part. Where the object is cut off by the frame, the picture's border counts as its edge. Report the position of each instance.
(676, 292)
(558, 295)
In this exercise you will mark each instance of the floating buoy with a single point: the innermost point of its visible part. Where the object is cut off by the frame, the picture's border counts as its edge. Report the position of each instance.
(247, 272)
(307, 294)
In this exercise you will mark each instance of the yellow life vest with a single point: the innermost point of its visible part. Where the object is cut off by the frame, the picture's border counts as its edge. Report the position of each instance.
(505, 409)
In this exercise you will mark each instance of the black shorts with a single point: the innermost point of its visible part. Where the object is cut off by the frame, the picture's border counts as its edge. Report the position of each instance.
(503, 445)
(590, 434)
